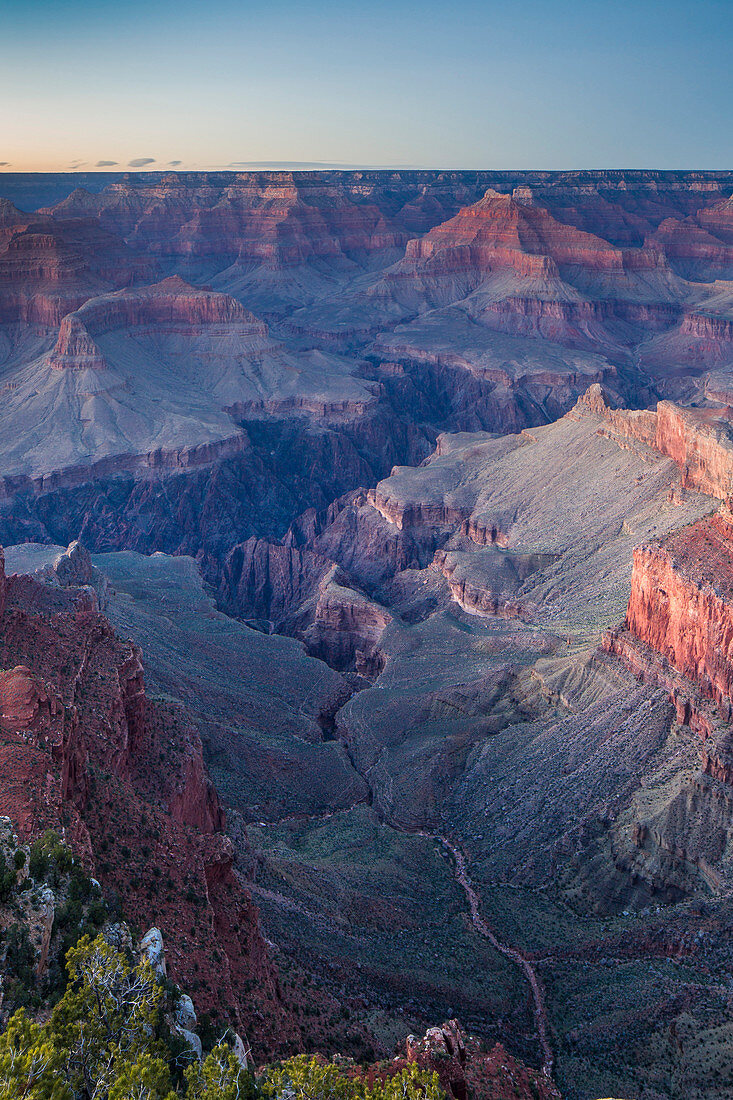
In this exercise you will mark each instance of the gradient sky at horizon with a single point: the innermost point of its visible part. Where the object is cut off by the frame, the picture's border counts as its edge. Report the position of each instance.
(472, 84)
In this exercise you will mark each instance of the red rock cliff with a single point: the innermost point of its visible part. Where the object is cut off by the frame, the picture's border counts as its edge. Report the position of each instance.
(701, 443)
(83, 751)
(681, 604)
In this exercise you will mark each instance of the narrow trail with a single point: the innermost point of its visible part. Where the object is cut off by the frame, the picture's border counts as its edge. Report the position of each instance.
(463, 879)
(540, 1013)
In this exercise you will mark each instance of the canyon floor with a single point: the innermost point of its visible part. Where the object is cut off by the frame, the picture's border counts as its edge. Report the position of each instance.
(413, 491)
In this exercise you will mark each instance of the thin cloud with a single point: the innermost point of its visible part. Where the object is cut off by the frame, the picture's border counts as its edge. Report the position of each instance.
(140, 162)
(174, 163)
(106, 163)
(5, 163)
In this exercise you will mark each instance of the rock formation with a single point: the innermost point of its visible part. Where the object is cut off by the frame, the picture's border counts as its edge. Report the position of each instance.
(698, 440)
(680, 608)
(50, 267)
(466, 1071)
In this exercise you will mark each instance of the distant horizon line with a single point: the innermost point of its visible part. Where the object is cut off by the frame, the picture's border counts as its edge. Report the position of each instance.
(295, 166)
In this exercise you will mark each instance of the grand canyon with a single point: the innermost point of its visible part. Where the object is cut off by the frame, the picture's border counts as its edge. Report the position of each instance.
(366, 614)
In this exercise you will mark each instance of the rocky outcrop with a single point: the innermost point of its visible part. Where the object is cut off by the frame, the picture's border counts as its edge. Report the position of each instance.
(693, 251)
(347, 626)
(678, 636)
(75, 347)
(269, 582)
(301, 592)
(132, 692)
(624, 426)
(25, 702)
(171, 302)
(489, 582)
(152, 949)
(73, 569)
(365, 545)
(74, 566)
(467, 1072)
(415, 514)
(649, 666)
(717, 218)
(172, 305)
(715, 333)
(701, 443)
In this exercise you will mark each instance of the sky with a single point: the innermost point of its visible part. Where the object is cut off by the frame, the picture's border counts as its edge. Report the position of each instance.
(216, 84)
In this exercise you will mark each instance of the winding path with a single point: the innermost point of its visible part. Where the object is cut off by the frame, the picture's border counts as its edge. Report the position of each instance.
(463, 879)
(540, 1013)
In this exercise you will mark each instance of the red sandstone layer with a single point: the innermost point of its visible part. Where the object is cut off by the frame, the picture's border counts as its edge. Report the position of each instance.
(681, 604)
(678, 632)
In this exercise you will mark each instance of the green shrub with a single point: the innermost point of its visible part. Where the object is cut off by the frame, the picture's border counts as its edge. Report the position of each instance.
(50, 859)
(308, 1078)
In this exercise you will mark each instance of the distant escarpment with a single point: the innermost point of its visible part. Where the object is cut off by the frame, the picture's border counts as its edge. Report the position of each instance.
(50, 267)
(623, 204)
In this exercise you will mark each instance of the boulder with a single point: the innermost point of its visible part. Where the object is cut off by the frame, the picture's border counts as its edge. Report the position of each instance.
(152, 949)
